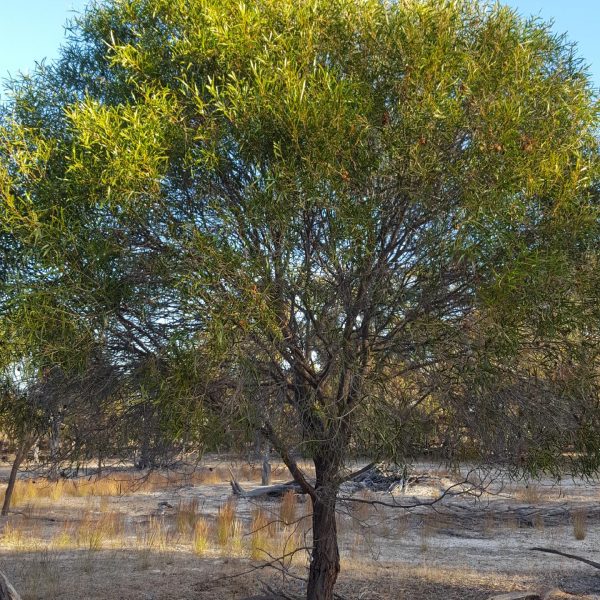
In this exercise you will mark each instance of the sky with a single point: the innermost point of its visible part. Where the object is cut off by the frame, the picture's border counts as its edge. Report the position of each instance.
(31, 30)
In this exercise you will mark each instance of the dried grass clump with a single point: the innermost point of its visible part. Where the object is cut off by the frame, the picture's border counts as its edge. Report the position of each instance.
(489, 523)
(88, 534)
(579, 519)
(292, 549)
(209, 476)
(236, 541)
(157, 534)
(538, 521)
(361, 509)
(531, 494)
(13, 536)
(187, 515)
(28, 491)
(260, 535)
(44, 575)
(65, 538)
(201, 541)
(287, 509)
(225, 522)
(112, 524)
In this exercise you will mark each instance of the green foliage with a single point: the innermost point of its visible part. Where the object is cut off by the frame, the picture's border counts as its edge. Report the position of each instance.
(299, 200)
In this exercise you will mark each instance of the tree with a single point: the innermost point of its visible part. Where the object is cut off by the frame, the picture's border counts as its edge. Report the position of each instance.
(20, 422)
(319, 197)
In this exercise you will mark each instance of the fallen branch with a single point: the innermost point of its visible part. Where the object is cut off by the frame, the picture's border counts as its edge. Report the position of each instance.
(592, 563)
(277, 490)
(272, 491)
(7, 591)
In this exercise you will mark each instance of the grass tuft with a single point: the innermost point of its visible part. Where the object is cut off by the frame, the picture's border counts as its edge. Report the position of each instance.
(287, 510)
(259, 535)
(186, 516)
(225, 523)
(579, 519)
(201, 541)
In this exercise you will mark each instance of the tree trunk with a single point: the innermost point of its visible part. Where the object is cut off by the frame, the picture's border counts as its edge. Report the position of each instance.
(54, 446)
(146, 459)
(325, 560)
(22, 451)
(266, 468)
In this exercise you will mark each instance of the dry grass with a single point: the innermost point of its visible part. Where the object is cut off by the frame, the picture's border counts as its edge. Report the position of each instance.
(361, 510)
(185, 534)
(187, 515)
(489, 523)
(155, 535)
(95, 529)
(512, 522)
(30, 491)
(44, 575)
(201, 541)
(208, 475)
(236, 540)
(112, 524)
(579, 518)
(531, 494)
(430, 524)
(226, 517)
(89, 535)
(13, 536)
(538, 521)
(291, 549)
(263, 534)
(287, 509)
(248, 473)
(65, 538)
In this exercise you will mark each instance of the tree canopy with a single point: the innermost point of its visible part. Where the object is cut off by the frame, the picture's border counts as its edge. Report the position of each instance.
(315, 217)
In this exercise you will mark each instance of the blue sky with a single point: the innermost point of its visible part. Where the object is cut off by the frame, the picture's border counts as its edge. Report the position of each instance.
(33, 29)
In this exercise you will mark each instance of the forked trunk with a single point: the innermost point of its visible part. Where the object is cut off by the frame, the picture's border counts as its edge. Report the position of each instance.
(325, 560)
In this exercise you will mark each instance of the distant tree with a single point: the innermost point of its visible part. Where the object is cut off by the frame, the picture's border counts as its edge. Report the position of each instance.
(293, 204)
(20, 423)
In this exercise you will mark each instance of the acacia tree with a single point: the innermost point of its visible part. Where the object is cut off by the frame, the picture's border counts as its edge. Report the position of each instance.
(327, 195)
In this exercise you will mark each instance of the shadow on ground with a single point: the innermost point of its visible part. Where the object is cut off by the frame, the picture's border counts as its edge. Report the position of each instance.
(152, 575)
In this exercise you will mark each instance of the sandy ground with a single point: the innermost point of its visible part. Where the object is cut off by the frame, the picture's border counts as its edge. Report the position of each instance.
(463, 547)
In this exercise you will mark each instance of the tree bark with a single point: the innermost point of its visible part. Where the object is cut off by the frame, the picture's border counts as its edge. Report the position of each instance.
(325, 559)
(55, 446)
(266, 468)
(325, 555)
(22, 451)
(274, 491)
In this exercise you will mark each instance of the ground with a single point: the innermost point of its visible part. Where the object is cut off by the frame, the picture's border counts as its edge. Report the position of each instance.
(114, 539)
